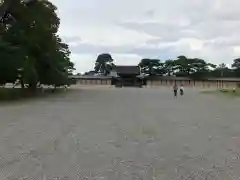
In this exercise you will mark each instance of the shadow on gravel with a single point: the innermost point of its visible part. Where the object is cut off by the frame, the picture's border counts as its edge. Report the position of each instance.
(16, 94)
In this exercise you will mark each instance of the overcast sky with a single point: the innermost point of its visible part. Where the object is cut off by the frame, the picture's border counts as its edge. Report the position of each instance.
(135, 29)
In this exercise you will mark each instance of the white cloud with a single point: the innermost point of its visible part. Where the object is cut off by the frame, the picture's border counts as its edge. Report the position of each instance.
(133, 29)
(236, 50)
(127, 59)
(83, 62)
(194, 44)
(108, 35)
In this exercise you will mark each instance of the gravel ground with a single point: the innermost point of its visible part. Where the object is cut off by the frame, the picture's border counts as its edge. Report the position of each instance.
(121, 134)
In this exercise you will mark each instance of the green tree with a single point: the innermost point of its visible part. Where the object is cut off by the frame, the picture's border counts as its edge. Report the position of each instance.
(8, 66)
(38, 54)
(200, 68)
(192, 67)
(236, 67)
(222, 68)
(184, 66)
(170, 67)
(104, 64)
(236, 63)
(152, 66)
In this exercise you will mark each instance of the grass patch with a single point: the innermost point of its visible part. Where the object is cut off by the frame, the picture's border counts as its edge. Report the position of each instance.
(226, 92)
(150, 131)
(209, 92)
(13, 94)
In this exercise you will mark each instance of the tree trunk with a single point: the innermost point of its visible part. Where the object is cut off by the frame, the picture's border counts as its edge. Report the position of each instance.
(22, 83)
(32, 86)
(150, 70)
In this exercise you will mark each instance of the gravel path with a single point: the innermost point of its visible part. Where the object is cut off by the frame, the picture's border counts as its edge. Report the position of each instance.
(121, 134)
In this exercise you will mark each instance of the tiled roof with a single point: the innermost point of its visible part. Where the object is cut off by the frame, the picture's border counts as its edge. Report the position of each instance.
(128, 70)
(91, 77)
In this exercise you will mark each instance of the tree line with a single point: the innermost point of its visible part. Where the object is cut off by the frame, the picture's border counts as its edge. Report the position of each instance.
(31, 51)
(182, 66)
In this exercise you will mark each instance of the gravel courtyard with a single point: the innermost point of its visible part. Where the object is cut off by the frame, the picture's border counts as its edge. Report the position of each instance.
(121, 134)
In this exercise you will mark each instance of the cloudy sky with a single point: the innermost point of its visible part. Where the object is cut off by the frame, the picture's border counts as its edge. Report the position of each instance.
(133, 29)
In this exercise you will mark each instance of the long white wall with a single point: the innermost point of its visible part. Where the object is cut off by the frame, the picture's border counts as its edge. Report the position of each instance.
(169, 83)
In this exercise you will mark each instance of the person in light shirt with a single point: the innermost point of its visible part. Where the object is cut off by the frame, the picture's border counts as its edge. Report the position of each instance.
(181, 90)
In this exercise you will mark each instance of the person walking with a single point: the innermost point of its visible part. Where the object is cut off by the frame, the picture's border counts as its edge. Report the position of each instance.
(181, 90)
(175, 90)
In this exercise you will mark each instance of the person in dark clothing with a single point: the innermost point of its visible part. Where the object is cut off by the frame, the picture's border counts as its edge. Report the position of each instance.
(175, 90)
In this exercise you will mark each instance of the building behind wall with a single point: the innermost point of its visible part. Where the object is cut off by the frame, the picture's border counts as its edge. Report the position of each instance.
(127, 76)
(160, 81)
